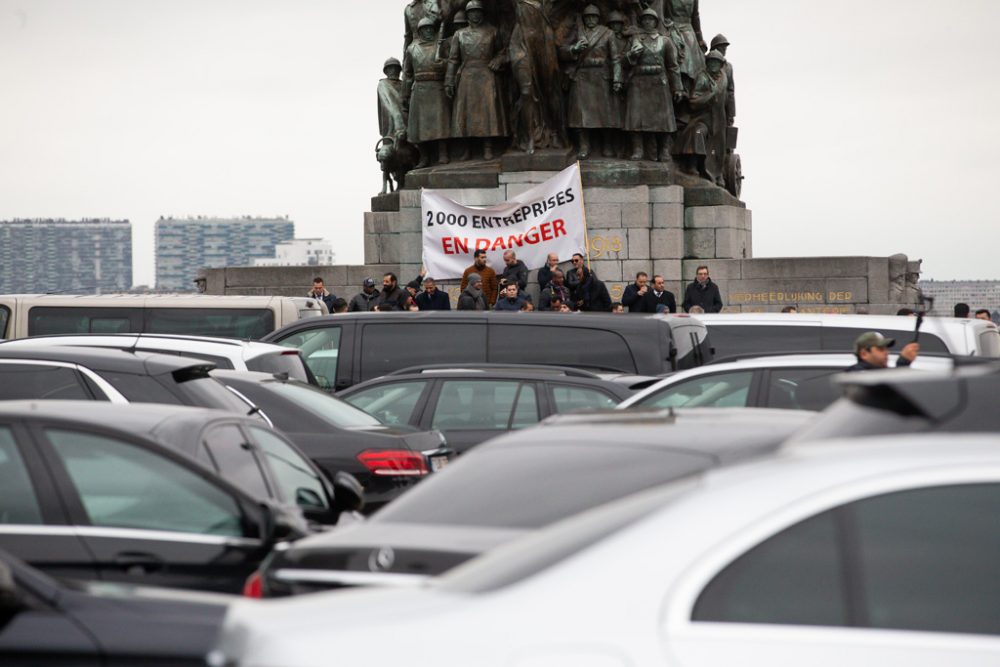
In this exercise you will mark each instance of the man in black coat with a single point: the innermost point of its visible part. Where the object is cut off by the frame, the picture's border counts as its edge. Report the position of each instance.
(703, 292)
(432, 298)
(515, 271)
(321, 293)
(590, 294)
(393, 297)
(364, 301)
(659, 296)
(634, 293)
(545, 273)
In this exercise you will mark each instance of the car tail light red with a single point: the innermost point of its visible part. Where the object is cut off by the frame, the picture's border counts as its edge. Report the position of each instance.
(394, 463)
(254, 586)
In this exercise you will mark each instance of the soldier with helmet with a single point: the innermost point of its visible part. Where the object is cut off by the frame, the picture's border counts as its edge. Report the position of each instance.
(595, 75)
(459, 21)
(429, 121)
(655, 84)
(703, 141)
(391, 120)
(721, 44)
(475, 58)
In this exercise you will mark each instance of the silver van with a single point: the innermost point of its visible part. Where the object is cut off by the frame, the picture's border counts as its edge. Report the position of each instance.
(243, 317)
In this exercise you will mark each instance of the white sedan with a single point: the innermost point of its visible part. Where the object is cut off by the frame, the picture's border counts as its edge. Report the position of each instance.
(866, 552)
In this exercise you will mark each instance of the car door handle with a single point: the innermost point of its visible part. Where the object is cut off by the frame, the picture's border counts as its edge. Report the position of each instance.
(138, 563)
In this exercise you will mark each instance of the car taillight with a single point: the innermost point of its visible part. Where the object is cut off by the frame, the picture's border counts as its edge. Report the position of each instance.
(394, 463)
(254, 586)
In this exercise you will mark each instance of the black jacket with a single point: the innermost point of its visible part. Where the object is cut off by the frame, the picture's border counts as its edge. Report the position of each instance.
(865, 366)
(707, 296)
(394, 299)
(651, 301)
(326, 298)
(515, 274)
(550, 292)
(544, 276)
(632, 300)
(591, 295)
(469, 302)
(439, 301)
(363, 303)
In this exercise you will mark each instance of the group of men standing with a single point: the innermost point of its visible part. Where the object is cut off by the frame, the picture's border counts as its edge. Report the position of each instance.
(635, 79)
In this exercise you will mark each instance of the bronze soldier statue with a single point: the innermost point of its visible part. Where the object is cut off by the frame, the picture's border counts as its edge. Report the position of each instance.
(391, 122)
(703, 141)
(534, 60)
(413, 14)
(617, 24)
(595, 74)
(429, 122)
(654, 86)
(721, 44)
(686, 19)
(476, 56)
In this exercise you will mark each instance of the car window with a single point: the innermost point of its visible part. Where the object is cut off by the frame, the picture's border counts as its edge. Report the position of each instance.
(4, 319)
(297, 480)
(563, 345)
(526, 410)
(569, 398)
(234, 459)
(475, 404)
(280, 362)
(18, 503)
(320, 348)
(125, 486)
(48, 320)
(801, 388)
(720, 390)
(924, 559)
(28, 381)
(331, 410)
(391, 347)
(140, 388)
(739, 339)
(391, 403)
(842, 339)
(242, 323)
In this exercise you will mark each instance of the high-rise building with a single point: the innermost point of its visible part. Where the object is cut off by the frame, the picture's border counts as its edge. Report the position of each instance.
(301, 252)
(65, 256)
(184, 246)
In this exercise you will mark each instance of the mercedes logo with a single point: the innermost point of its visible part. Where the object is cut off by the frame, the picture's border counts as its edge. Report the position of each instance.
(382, 559)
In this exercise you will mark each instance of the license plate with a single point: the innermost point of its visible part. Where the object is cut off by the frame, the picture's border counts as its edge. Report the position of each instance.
(438, 462)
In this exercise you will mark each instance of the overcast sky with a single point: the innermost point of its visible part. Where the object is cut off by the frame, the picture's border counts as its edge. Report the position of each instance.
(866, 126)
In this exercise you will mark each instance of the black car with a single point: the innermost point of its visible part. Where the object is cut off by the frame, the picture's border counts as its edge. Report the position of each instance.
(251, 455)
(86, 500)
(471, 406)
(47, 622)
(903, 401)
(343, 350)
(338, 437)
(523, 482)
(117, 376)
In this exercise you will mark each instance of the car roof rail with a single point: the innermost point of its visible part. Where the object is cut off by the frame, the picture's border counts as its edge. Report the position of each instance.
(958, 359)
(567, 371)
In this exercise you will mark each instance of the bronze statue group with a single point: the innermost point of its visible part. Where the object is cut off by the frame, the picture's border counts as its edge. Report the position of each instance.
(628, 79)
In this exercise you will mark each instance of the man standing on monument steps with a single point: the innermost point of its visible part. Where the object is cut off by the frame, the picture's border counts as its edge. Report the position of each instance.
(702, 293)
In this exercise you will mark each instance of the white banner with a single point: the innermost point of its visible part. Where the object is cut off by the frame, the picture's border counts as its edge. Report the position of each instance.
(547, 218)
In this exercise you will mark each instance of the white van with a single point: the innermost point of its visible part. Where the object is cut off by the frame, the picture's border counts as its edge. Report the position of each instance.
(243, 317)
(741, 334)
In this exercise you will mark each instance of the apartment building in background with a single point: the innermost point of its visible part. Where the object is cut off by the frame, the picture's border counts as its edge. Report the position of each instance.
(92, 256)
(301, 252)
(184, 246)
(977, 293)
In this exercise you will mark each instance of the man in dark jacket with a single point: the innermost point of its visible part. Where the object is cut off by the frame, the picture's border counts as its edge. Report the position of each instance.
(432, 298)
(555, 290)
(472, 297)
(515, 271)
(321, 293)
(393, 297)
(659, 296)
(510, 300)
(872, 352)
(703, 292)
(590, 295)
(364, 301)
(634, 293)
(545, 273)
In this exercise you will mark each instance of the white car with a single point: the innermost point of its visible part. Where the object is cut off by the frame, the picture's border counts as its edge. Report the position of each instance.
(225, 353)
(869, 553)
(790, 382)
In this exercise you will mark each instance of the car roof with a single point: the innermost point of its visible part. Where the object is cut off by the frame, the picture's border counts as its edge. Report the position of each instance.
(725, 434)
(104, 359)
(135, 417)
(88, 339)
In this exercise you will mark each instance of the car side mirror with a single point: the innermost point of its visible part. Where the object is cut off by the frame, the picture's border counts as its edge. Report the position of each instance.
(348, 493)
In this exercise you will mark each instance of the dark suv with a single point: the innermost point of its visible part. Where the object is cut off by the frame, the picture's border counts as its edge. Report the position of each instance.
(343, 350)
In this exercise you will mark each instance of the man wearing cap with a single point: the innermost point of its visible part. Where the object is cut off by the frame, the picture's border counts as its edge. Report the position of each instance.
(429, 109)
(872, 351)
(364, 302)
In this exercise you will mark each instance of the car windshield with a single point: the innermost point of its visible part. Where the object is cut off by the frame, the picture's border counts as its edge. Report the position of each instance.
(323, 405)
(532, 486)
